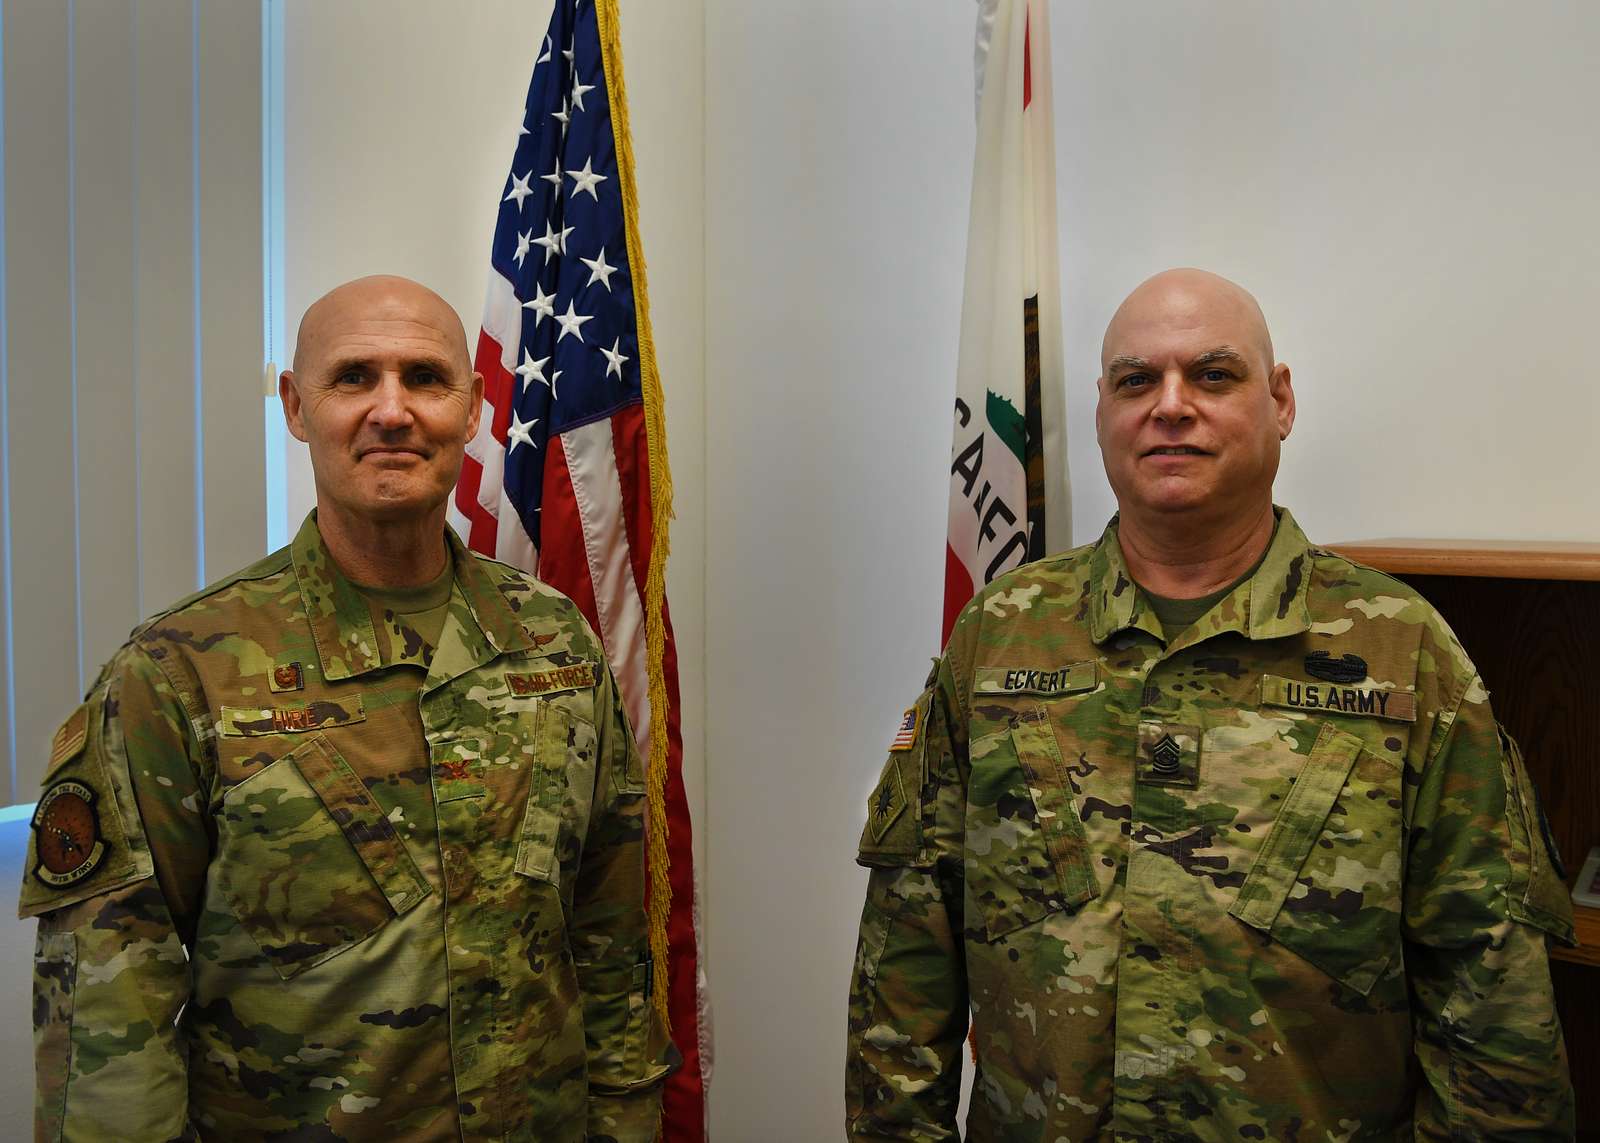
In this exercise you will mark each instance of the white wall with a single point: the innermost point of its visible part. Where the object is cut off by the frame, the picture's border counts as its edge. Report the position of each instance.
(1408, 188)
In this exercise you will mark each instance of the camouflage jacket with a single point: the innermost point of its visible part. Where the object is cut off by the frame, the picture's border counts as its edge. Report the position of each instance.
(294, 884)
(1281, 878)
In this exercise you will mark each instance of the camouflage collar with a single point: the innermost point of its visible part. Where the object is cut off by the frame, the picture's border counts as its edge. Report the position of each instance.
(1268, 605)
(495, 619)
(341, 625)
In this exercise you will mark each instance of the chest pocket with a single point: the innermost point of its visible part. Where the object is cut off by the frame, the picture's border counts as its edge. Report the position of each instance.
(1026, 848)
(1326, 882)
(308, 863)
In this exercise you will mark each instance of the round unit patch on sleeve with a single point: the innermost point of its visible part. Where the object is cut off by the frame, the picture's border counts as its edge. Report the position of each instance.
(67, 834)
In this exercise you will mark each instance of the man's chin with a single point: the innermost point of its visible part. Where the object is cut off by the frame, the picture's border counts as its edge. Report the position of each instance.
(1174, 495)
(392, 501)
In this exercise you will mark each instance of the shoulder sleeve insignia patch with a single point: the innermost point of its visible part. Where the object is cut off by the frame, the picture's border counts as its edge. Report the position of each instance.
(906, 737)
(886, 804)
(67, 837)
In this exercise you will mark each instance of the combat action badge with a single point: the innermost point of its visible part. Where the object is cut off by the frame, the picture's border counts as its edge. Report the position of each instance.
(67, 834)
(1347, 669)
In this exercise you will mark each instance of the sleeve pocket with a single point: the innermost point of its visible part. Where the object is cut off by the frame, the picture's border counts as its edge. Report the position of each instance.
(55, 974)
(1535, 892)
(309, 864)
(104, 811)
(624, 1054)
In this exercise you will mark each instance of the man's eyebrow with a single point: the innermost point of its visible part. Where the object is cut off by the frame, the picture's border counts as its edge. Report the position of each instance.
(435, 363)
(1222, 354)
(1125, 361)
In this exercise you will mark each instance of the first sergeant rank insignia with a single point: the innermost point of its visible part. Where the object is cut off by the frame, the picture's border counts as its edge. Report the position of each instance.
(67, 834)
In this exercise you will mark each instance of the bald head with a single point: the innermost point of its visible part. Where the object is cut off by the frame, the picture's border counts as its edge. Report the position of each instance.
(379, 299)
(1192, 407)
(1190, 298)
(383, 393)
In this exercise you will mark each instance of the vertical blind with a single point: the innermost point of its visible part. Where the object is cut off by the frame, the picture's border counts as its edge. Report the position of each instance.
(131, 343)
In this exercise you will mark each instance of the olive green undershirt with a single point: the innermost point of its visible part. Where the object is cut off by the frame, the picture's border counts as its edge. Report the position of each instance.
(1178, 615)
(422, 609)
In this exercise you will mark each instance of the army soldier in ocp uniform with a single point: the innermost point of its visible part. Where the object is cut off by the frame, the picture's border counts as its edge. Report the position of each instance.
(349, 845)
(1209, 831)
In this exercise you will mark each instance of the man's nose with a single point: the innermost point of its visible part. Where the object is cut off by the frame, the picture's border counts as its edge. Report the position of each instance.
(1172, 399)
(390, 407)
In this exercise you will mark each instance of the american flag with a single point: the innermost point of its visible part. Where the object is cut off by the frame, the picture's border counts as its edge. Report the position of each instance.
(568, 476)
(906, 737)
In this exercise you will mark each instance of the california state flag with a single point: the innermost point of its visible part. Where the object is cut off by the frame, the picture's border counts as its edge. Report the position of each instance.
(1008, 463)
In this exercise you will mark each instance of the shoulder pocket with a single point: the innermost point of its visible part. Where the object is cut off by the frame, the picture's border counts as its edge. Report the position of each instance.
(892, 835)
(564, 764)
(1027, 853)
(1326, 882)
(85, 835)
(1536, 892)
(307, 860)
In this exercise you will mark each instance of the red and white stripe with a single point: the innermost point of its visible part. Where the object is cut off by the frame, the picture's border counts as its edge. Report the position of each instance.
(591, 512)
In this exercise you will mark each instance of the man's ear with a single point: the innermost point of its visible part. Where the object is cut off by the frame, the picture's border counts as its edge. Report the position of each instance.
(290, 396)
(1281, 388)
(477, 405)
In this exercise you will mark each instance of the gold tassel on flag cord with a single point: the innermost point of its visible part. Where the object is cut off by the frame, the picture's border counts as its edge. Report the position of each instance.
(655, 586)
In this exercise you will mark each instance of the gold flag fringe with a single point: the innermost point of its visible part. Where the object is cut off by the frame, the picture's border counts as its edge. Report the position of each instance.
(655, 587)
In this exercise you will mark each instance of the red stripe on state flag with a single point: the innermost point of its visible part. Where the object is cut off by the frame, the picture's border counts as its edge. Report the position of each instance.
(958, 588)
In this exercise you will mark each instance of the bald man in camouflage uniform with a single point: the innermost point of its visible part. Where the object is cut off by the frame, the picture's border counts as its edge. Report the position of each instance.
(1209, 831)
(349, 845)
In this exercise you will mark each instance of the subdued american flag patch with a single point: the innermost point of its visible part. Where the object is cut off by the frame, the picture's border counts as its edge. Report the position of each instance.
(906, 737)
